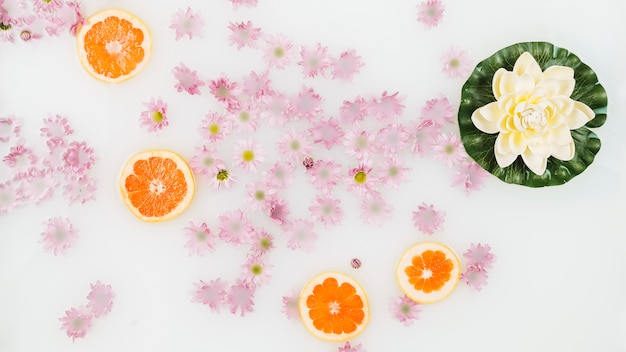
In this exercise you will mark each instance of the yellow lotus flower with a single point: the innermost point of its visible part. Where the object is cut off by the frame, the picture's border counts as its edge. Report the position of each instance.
(533, 114)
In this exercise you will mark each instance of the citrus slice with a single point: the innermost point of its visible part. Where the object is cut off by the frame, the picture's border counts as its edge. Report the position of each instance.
(157, 185)
(428, 272)
(334, 307)
(113, 45)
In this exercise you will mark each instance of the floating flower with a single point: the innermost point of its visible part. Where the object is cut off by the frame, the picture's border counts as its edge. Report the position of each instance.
(200, 239)
(324, 175)
(438, 110)
(355, 263)
(37, 185)
(246, 3)
(392, 138)
(255, 271)
(155, 118)
(59, 235)
(427, 219)
(475, 276)
(280, 175)
(301, 234)
(248, 154)
(449, 149)
(314, 60)
(404, 309)
(187, 80)
(349, 348)
(55, 127)
(362, 180)
(10, 127)
(327, 210)
(392, 172)
(187, 23)
(346, 65)
(240, 297)
(221, 177)
(76, 322)
(360, 143)
(387, 106)
(243, 34)
(225, 91)
(256, 85)
(479, 255)
(326, 131)
(421, 136)
(215, 127)
(80, 189)
(10, 197)
(374, 209)
(262, 242)
(234, 227)
(274, 109)
(354, 111)
(278, 210)
(456, 63)
(78, 158)
(213, 294)
(307, 104)
(278, 51)
(20, 158)
(258, 194)
(294, 145)
(430, 12)
(204, 160)
(290, 306)
(100, 299)
(244, 115)
(470, 175)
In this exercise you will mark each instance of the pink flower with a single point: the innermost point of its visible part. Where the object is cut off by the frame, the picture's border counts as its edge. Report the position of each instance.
(187, 22)
(256, 85)
(76, 322)
(80, 189)
(59, 235)
(404, 309)
(46, 8)
(213, 294)
(290, 306)
(10, 127)
(234, 227)
(470, 175)
(392, 172)
(20, 158)
(203, 161)
(361, 180)
(37, 185)
(392, 138)
(430, 13)
(244, 115)
(314, 60)
(57, 127)
(274, 109)
(53, 160)
(248, 154)
(326, 131)
(280, 175)
(301, 234)
(100, 299)
(7, 28)
(240, 297)
(262, 242)
(243, 34)
(215, 127)
(421, 136)
(346, 65)
(278, 51)
(326, 210)
(307, 104)
(349, 348)
(221, 177)
(360, 144)
(187, 80)
(255, 271)
(200, 239)
(294, 146)
(325, 175)
(225, 91)
(439, 111)
(78, 158)
(278, 210)
(258, 194)
(427, 219)
(480, 255)
(456, 63)
(449, 149)
(387, 106)
(475, 276)
(10, 197)
(246, 3)
(155, 118)
(354, 111)
(375, 210)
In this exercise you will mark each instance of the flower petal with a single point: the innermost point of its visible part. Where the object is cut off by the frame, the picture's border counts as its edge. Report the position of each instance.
(502, 151)
(527, 65)
(541, 149)
(563, 75)
(581, 114)
(486, 118)
(535, 163)
(561, 135)
(517, 142)
(564, 152)
(503, 83)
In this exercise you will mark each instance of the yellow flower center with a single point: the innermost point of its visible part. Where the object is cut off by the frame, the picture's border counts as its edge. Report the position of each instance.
(279, 52)
(222, 175)
(244, 116)
(157, 117)
(247, 155)
(360, 177)
(214, 128)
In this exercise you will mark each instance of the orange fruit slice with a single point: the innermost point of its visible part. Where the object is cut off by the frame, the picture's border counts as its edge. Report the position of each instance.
(334, 307)
(157, 185)
(113, 45)
(428, 272)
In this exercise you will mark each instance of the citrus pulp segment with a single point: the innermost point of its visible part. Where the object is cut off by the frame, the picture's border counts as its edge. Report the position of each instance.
(334, 307)
(157, 185)
(113, 45)
(428, 272)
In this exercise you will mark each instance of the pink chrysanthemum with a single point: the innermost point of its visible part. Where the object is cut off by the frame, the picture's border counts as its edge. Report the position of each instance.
(256, 85)
(225, 91)
(200, 239)
(480, 255)
(243, 34)
(280, 175)
(430, 12)
(246, 3)
(53, 160)
(78, 158)
(248, 154)
(346, 65)
(155, 118)
(327, 210)
(325, 175)
(274, 108)
(470, 175)
(375, 210)
(187, 23)
(10, 197)
(427, 219)
(387, 106)
(392, 172)
(234, 227)
(187, 80)
(258, 194)
(213, 294)
(80, 189)
(360, 144)
(76, 322)
(352, 112)
(326, 131)
(421, 136)
(449, 149)
(255, 271)
(314, 60)
(392, 138)
(20, 158)
(240, 297)
(215, 127)
(404, 309)
(439, 111)
(290, 306)
(262, 242)
(244, 116)
(456, 63)
(37, 185)
(100, 299)
(7, 28)
(301, 234)
(308, 104)
(294, 145)
(46, 8)
(278, 211)
(475, 277)
(221, 177)
(362, 180)
(59, 235)
(55, 127)
(204, 160)
(347, 347)
(278, 51)
(10, 128)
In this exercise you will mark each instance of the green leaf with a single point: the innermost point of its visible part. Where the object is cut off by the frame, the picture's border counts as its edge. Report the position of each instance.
(477, 92)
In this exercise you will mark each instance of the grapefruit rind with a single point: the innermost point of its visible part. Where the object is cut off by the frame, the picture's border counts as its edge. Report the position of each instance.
(308, 323)
(100, 16)
(181, 164)
(419, 296)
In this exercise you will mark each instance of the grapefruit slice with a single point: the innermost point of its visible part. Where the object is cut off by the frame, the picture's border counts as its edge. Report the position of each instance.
(334, 307)
(428, 272)
(157, 185)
